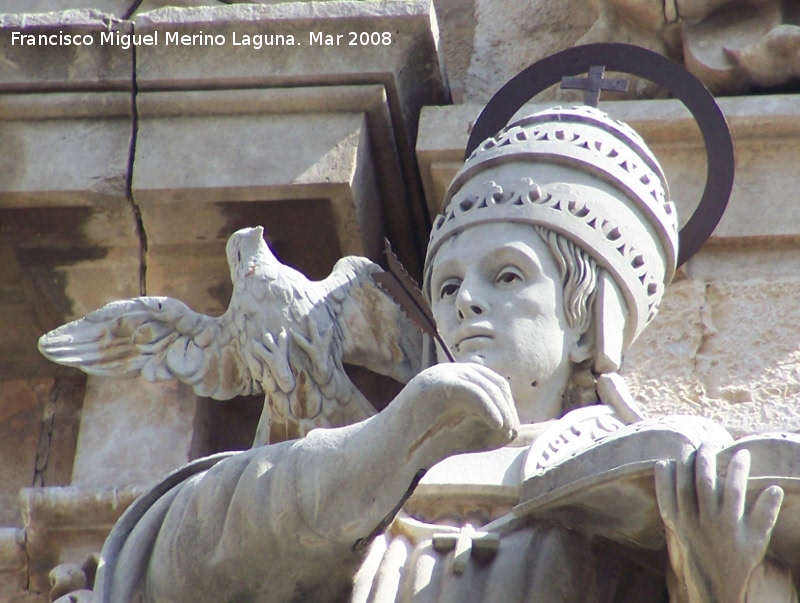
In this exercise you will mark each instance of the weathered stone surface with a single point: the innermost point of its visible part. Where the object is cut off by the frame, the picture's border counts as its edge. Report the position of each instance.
(456, 24)
(12, 564)
(660, 367)
(763, 259)
(38, 430)
(209, 163)
(62, 67)
(510, 36)
(94, 129)
(749, 365)
(116, 8)
(723, 344)
(456, 19)
(67, 525)
(148, 5)
(68, 233)
(407, 67)
(21, 409)
(112, 452)
(732, 46)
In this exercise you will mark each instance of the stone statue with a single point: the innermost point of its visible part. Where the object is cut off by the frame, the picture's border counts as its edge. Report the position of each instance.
(282, 335)
(521, 472)
(733, 47)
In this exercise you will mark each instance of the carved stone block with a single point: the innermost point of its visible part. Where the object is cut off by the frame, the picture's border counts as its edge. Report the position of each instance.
(68, 236)
(49, 63)
(296, 161)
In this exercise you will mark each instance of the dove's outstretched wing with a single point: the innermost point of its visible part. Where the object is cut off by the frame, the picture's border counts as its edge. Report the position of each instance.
(282, 335)
(160, 338)
(376, 333)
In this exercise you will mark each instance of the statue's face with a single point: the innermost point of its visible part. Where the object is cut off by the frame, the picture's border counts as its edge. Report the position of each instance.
(497, 299)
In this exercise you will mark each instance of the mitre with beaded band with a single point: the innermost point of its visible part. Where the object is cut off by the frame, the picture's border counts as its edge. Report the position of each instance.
(590, 178)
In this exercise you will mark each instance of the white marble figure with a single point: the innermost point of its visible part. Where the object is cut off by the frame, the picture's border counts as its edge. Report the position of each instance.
(543, 482)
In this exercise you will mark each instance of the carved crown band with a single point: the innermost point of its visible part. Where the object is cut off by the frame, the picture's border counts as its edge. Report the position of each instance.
(593, 219)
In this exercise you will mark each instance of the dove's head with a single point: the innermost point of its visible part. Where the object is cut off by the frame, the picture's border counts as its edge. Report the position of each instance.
(246, 249)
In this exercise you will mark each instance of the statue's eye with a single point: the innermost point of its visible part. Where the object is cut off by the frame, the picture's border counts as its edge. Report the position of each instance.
(508, 276)
(239, 255)
(449, 289)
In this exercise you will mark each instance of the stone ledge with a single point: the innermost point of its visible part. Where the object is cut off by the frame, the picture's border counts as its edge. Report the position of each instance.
(210, 162)
(409, 68)
(66, 226)
(93, 129)
(67, 524)
(117, 8)
(45, 68)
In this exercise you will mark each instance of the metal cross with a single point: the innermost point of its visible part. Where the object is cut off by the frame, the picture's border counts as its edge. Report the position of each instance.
(464, 543)
(593, 84)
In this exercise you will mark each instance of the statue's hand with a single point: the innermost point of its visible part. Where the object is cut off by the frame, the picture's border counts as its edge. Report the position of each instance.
(714, 544)
(456, 407)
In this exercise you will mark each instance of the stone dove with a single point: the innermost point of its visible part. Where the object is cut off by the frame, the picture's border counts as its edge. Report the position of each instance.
(282, 334)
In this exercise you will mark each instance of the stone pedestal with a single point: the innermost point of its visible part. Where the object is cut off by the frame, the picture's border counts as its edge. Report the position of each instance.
(67, 525)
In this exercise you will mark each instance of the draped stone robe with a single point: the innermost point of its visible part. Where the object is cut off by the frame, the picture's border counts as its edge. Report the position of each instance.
(458, 540)
(226, 531)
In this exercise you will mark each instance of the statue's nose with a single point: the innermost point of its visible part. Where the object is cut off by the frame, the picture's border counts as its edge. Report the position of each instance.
(469, 303)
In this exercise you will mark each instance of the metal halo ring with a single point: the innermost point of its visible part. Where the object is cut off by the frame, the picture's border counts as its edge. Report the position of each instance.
(634, 60)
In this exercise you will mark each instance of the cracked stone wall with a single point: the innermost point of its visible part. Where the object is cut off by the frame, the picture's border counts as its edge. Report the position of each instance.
(123, 172)
(39, 421)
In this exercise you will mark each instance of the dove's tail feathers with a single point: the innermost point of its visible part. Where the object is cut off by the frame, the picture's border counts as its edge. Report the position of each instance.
(158, 338)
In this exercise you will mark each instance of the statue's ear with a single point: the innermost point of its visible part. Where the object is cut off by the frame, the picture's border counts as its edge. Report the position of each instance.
(609, 325)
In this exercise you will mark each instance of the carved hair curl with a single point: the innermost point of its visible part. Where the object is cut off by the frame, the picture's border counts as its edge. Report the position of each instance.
(579, 273)
(578, 278)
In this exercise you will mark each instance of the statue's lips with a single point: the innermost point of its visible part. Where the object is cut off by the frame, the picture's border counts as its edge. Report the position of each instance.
(473, 339)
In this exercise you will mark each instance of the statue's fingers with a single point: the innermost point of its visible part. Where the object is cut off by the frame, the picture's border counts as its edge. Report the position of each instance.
(764, 514)
(484, 395)
(305, 344)
(664, 472)
(500, 388)
(735, 491)
(685, 483)
(493, 377)
(497, 387)
(494, 397)
(269, 343)
(705, 478)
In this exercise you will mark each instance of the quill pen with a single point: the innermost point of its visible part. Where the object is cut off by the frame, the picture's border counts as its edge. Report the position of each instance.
(401, 286)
